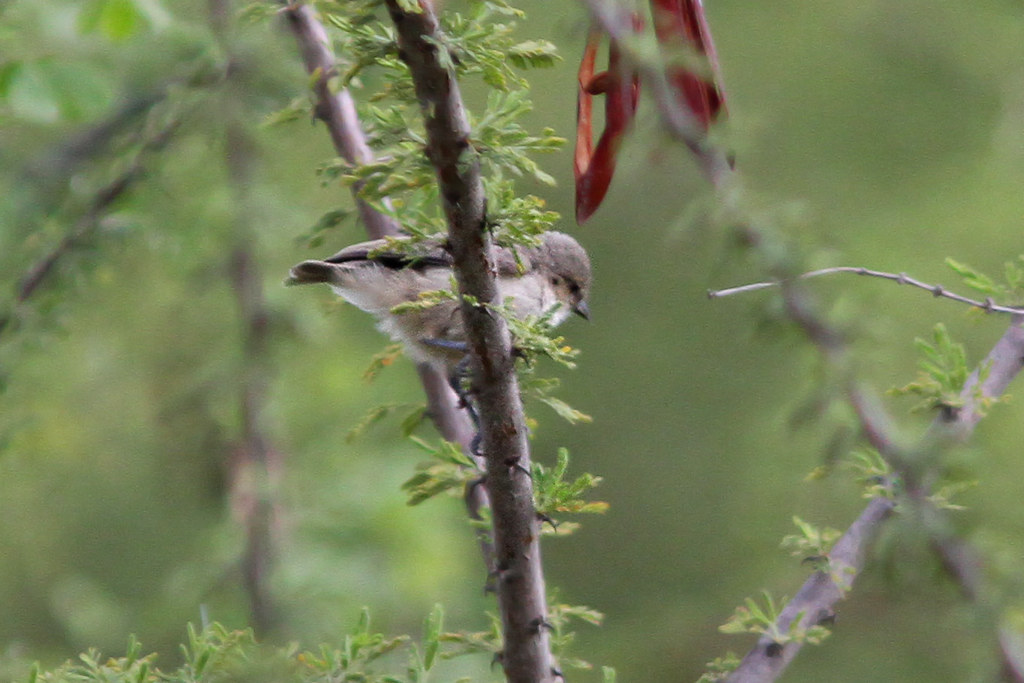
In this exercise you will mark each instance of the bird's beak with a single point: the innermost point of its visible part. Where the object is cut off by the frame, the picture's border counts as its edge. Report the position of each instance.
(582, 310)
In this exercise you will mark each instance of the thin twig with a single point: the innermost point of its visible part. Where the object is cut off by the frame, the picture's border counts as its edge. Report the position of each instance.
(988, 305)
(87, 224)
(526, 657)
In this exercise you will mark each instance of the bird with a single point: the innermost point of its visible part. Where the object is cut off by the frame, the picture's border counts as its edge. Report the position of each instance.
(550, 279)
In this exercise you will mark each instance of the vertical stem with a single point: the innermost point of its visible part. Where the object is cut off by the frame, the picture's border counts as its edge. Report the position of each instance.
(520, 580)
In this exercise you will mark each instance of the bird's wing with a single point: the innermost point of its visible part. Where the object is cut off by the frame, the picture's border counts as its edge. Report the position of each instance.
(423, 254)
(512, 262)
(509, 262)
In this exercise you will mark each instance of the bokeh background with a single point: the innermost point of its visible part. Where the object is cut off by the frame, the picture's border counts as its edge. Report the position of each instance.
(881, 134)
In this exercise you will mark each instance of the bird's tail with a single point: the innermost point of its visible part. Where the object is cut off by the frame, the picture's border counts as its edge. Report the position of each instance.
(310, 272)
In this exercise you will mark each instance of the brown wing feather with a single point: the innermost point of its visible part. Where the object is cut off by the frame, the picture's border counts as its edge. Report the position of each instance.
(424, 254)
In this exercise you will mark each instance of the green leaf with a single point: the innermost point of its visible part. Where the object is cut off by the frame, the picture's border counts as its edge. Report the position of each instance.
(534, 53)
(432, 636)
(117, 20)
(412, 6)
(565, 411)
(974, 278)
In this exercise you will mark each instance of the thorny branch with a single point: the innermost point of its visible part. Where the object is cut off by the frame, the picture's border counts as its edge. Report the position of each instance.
(526, 657)
(816, 599)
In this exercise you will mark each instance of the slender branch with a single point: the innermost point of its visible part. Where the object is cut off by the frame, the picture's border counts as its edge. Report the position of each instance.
(988, 305)
(815, 599)
(255, 465)
(337, 111)
(520, 584)
(89, 222)
(819, 593)
(336, 108)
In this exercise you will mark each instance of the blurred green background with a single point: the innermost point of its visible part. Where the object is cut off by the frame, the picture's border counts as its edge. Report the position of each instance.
(875, 133)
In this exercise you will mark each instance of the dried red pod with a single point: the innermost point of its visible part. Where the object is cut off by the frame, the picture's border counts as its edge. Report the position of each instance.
(682, 22)
(593, 166)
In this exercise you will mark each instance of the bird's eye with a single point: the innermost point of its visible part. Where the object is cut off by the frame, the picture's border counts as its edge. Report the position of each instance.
(555, 281)
(574, 288)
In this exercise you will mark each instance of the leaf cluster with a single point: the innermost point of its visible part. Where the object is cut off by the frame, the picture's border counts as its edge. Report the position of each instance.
(1009, 292)
(763, 620)
(553, 494)
(811, 544)
(400, 182)
(943, 373)
(449, 469)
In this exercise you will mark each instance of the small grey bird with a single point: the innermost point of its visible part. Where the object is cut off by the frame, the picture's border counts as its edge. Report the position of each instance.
(553, 277)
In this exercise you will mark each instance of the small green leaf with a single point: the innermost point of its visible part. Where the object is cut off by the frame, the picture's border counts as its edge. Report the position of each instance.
(432, 636)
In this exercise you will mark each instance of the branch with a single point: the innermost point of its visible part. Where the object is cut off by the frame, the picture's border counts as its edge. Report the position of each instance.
(86, 225)
(817, 598)
(815, 601)
(337, 111)
(819, 594)
(520, 585)
(254, 465)
(336, 108)
(988, 305)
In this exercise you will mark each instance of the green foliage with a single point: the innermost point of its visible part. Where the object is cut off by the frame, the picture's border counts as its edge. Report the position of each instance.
(325, 225)
(414, 414)
(425, 300)
(719, 668)
(811, 544)
(1010, 291)
(487, 47)
(382, 359)
(220, 654)
(873, 472)
(478, 642)
(560, 618)
(504, 145)
(477, 42)
(118, 20)
(449, 469)
(532, 338)
(516, 220)
(553, 494)
(943, 372)
(763, 621)
(943, 493)
(540, 388)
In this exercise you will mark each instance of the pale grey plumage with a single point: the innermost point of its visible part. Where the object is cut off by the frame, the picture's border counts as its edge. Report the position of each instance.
(375, 276)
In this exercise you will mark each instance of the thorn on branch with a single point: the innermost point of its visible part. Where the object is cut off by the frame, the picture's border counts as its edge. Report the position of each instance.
(547, 519)
(513, 465)
(541, 623)
(826, 617)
